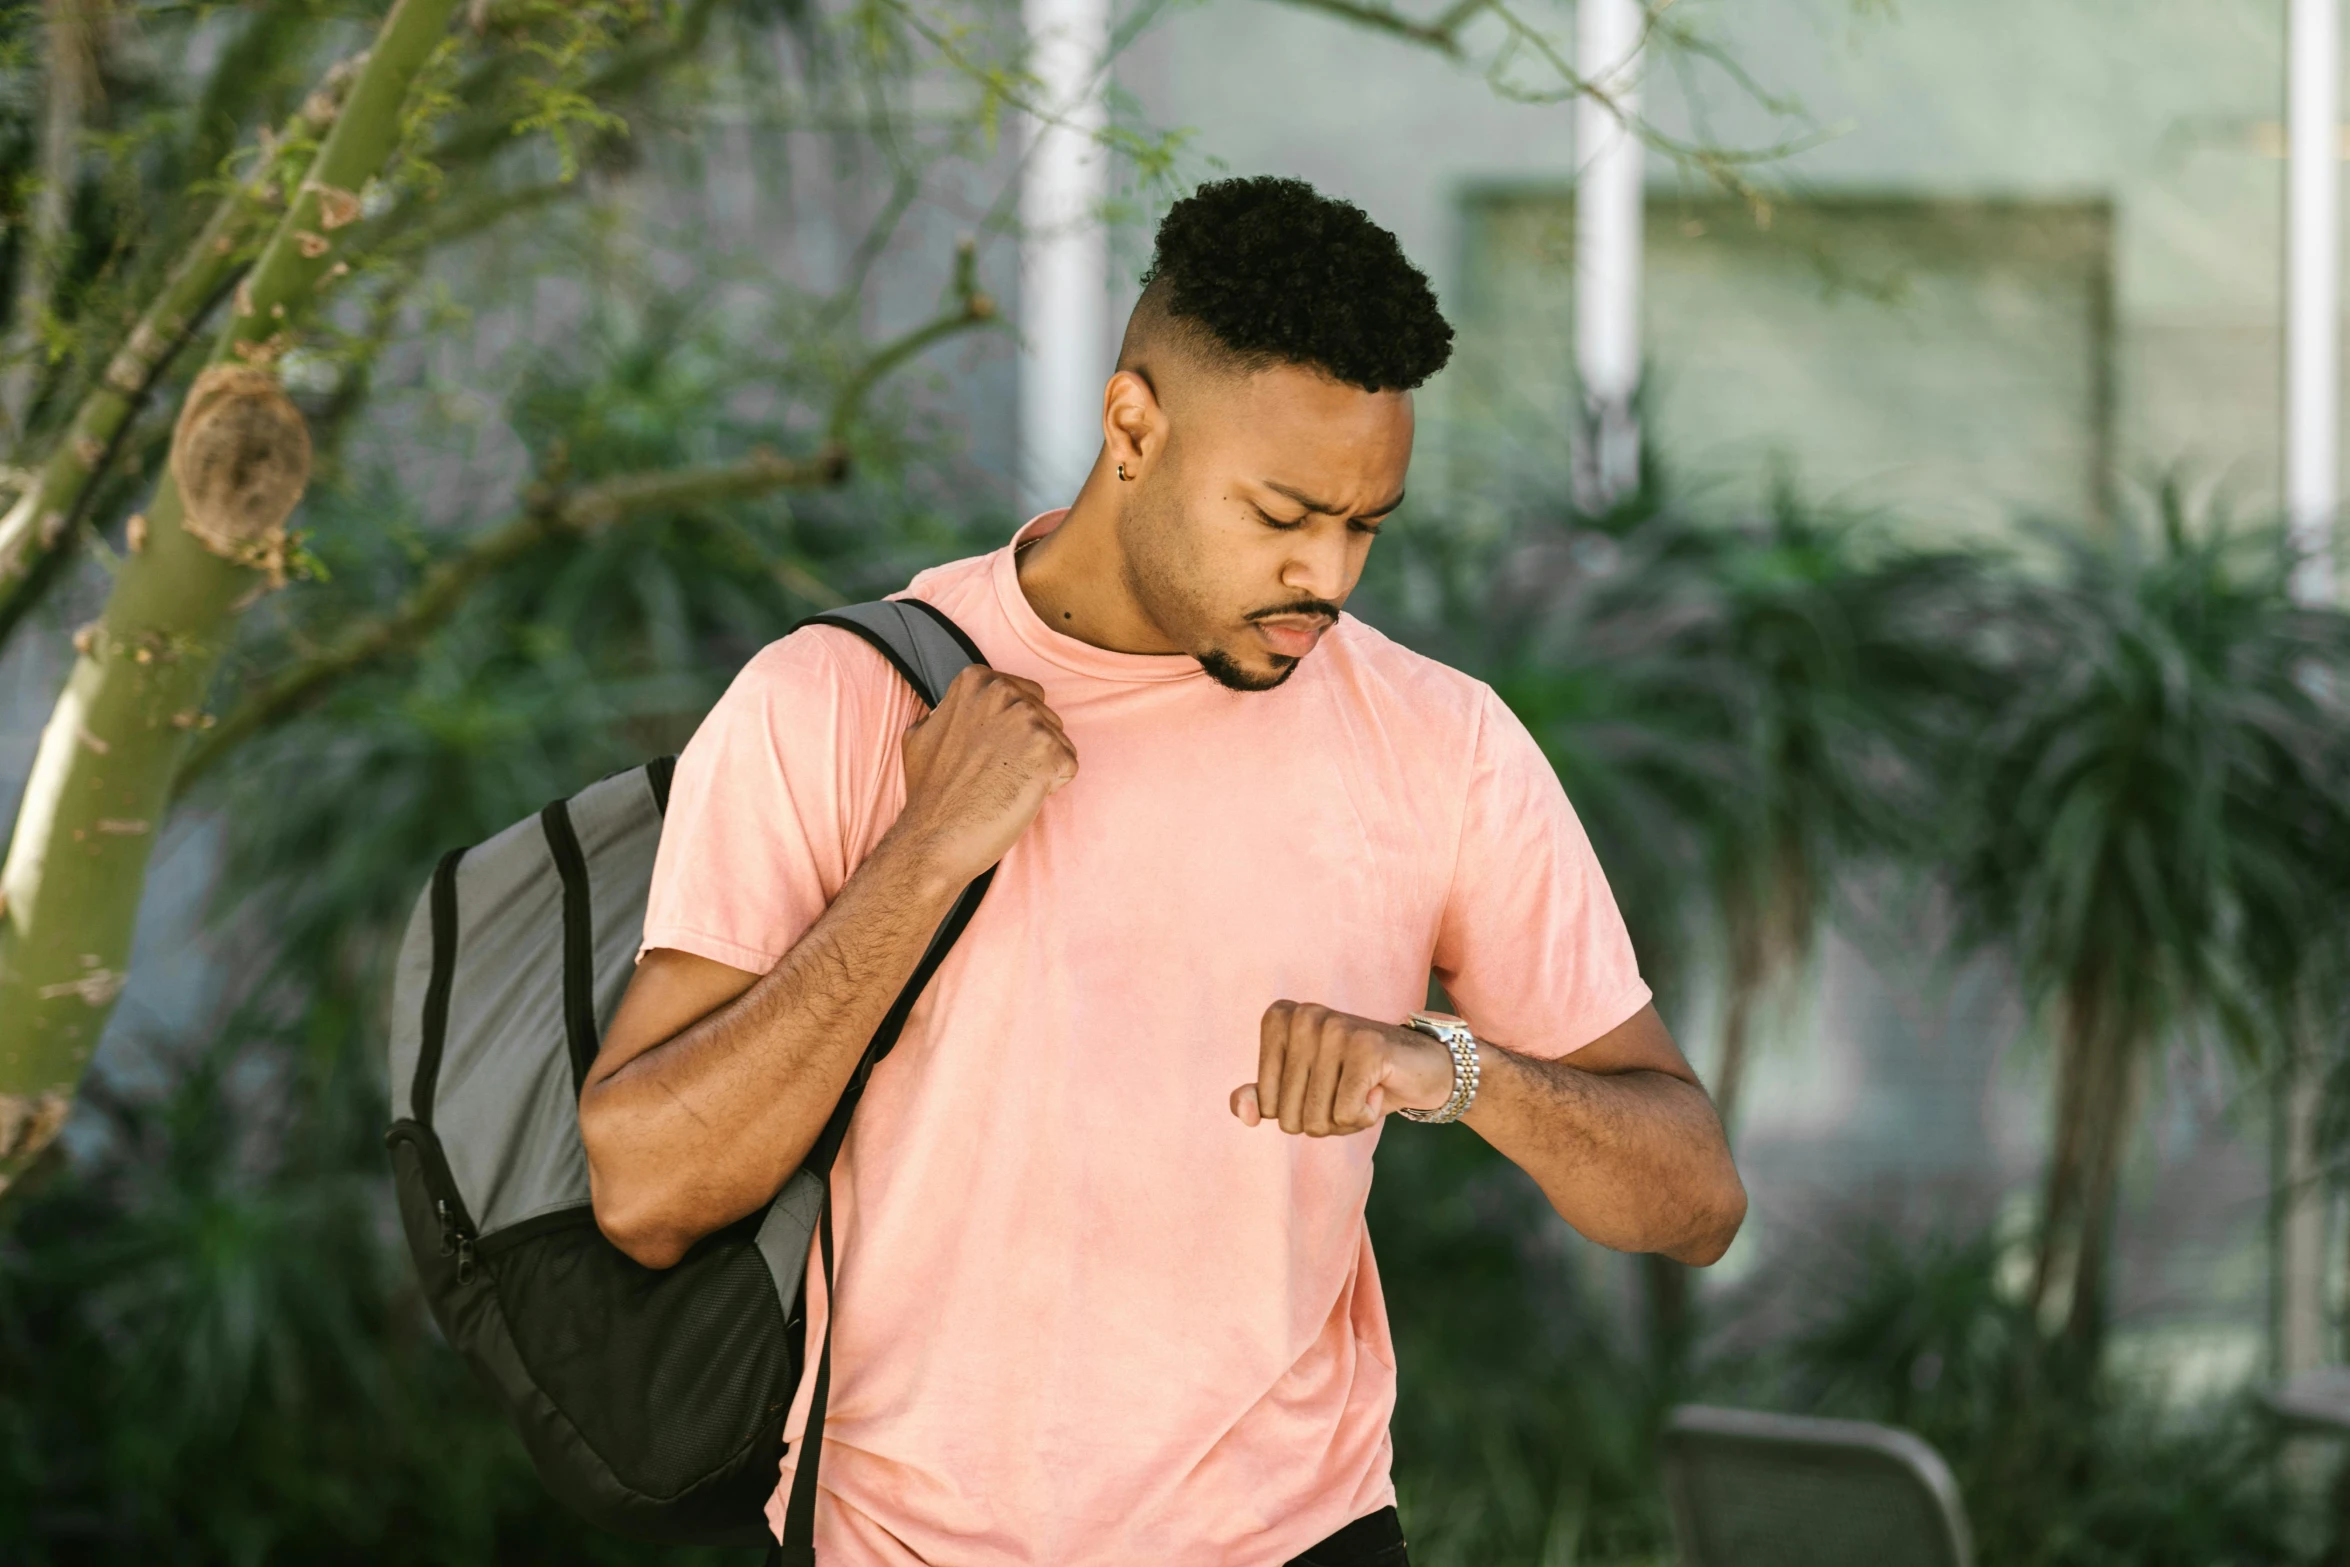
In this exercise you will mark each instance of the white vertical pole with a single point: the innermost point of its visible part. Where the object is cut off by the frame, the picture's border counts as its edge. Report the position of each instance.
(1064, 254)
(2313, 290)
(2313, 390)
(1607, 248)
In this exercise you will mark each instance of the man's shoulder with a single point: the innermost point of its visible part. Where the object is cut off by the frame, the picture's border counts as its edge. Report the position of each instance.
(829, 658)
(963, 590)
(1393, 675)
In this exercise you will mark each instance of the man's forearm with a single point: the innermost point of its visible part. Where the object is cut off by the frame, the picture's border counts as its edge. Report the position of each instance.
(1635, 1160)
(697, 1131)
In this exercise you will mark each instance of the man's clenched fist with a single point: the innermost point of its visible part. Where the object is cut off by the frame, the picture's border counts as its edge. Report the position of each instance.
(978, 769)
(1327, 1073)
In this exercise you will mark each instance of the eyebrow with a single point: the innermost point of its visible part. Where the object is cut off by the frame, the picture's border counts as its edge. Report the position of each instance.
(1324, 507)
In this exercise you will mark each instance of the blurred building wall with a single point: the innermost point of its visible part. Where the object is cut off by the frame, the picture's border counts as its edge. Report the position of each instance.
(1927, 289)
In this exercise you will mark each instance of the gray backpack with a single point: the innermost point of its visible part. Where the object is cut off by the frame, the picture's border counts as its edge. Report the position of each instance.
(651, 1400)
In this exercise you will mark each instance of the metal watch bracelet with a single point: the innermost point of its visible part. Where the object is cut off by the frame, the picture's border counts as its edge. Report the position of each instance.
(1454, 1035)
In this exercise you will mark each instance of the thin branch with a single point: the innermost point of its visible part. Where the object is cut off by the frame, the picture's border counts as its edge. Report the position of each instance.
(973, 308)
(1442, 35)
(903, 191)
(72, 79)
(332, 423)
(581, 513)
(408, 231)
(1724, 166)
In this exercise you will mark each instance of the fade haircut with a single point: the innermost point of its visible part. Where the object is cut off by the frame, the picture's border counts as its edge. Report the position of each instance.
(1253, 273)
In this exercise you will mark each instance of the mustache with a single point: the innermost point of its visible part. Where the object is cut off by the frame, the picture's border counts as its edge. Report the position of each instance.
(1321, 608)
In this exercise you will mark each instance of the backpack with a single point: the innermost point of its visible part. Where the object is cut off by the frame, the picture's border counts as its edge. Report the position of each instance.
(652, 1401)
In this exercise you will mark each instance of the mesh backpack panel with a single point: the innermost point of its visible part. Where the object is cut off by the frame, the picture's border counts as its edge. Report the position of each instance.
(651, 1400)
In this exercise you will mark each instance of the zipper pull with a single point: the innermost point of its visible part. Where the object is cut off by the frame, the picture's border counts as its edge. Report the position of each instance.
(448, 1226)
(464, 1258)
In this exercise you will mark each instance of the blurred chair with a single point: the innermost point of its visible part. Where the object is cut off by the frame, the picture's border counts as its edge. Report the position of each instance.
(1760, 1490)
(2314, 1400)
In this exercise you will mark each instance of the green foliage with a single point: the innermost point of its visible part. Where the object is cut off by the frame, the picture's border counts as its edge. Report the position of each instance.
(2057, 1470)
(556, 100)
(2164, 779)
(2151, 826)
(1524, 1428)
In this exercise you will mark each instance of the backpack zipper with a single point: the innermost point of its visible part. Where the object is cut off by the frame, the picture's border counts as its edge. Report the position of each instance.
(459, 1239)
(455, 1241)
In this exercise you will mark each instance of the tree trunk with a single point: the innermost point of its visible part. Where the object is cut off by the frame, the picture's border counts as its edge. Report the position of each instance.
(1737, 1036)
(2099, 1082)
(2053, 1261)
(2113, 1118)
(78, 859)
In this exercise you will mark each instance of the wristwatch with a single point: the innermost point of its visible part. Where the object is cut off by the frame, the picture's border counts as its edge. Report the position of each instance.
(1454, 1035)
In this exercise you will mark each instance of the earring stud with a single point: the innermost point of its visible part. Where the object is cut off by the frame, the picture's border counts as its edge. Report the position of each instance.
(1122, 471)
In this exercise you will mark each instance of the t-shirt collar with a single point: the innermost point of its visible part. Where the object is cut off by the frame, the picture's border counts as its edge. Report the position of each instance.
(1056, 647)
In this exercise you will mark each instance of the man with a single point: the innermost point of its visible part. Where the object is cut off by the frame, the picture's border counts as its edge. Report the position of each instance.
(1105, 1293)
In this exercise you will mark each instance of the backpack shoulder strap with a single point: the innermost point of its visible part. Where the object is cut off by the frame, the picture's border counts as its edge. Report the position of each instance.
(920, 641)
(929, 650)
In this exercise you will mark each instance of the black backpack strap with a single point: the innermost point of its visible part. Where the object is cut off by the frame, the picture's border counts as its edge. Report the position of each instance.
(436, 991)
(923, 645)
(929, 650)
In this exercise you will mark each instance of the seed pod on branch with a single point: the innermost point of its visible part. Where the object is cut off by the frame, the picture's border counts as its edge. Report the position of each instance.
(240, 456)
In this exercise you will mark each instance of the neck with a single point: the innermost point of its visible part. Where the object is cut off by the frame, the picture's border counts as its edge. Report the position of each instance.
(1076, 580)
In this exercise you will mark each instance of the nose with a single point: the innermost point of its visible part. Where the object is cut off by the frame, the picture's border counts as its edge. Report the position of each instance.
(1318, 565)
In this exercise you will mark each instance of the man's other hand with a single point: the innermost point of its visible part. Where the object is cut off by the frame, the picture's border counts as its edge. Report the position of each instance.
(1326, 1073)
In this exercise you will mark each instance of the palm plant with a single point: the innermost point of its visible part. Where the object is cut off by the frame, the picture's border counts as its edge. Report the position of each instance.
(1793, 670)
(2157, 817)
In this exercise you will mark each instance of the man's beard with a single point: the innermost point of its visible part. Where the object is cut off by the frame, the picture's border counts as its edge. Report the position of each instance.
(1227, 673)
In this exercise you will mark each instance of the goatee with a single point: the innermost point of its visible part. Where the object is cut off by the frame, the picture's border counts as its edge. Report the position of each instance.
(1223, 670)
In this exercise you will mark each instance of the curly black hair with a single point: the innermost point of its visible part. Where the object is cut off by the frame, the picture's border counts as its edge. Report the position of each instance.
(1274, 272)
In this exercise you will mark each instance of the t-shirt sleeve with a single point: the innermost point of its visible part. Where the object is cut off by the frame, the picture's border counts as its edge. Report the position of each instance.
(774, 799)
(1532, 948)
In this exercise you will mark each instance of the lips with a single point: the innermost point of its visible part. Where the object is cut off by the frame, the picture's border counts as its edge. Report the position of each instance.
(1292, 636)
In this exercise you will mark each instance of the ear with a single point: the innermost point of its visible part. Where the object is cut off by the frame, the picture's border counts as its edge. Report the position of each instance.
(1134, 422)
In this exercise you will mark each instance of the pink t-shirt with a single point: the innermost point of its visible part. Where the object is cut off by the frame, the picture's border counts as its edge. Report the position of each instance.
(1085, 1317)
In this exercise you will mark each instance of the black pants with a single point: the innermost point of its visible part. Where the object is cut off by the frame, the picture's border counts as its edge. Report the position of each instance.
(1375, 1541)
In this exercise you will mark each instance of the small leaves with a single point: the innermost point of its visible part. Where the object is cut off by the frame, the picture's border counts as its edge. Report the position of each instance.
(555, 102)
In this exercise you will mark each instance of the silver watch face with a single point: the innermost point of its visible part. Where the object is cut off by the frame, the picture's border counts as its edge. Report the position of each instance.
(1436, 1026)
